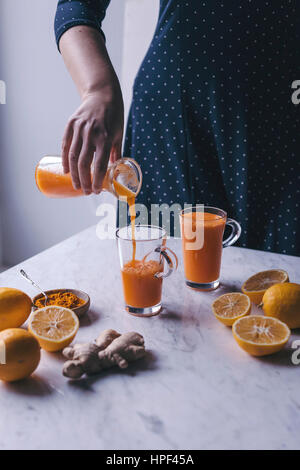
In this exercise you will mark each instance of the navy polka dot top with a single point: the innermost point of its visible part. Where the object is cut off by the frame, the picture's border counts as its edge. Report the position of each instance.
(212, 120)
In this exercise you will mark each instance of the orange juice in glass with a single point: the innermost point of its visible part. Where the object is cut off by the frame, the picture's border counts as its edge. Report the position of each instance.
(143, 274)
(202, 230)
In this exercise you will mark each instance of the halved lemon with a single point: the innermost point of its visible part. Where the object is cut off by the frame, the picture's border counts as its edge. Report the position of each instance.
(230, 307)
(259, 335)
(256, 285)
(53, 327)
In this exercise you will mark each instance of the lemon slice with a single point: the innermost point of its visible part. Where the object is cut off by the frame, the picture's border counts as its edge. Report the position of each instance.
(54, 327)
(259, 335)
(256, 285)
(230, 307)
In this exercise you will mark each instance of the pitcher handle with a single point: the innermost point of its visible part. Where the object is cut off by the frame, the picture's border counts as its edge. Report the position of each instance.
(171, 265)
(235, 234)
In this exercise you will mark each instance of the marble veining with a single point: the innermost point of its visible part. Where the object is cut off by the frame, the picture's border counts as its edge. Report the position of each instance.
(196, 389)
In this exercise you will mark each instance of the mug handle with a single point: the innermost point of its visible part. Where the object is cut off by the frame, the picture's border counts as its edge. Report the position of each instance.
(171, 265)
(235, 234)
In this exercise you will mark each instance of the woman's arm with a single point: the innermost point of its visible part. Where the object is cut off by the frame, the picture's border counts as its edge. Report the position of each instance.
(97, 125)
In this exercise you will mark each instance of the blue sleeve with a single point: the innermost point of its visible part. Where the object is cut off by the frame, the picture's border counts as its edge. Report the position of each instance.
(71, 13)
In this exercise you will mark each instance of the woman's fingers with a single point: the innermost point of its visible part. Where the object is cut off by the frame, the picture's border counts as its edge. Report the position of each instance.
(74, 153)
(78, 152)
(66, 143)
(100, 164)
(84, 165)
(116, 151)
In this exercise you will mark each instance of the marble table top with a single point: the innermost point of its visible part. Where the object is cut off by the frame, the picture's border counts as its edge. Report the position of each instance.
(196, 389)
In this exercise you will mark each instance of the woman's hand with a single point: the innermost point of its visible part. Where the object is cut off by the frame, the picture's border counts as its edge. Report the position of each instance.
(96, 127)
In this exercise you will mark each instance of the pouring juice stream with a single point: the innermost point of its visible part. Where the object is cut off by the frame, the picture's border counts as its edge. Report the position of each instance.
(123, 179)
(129, 196)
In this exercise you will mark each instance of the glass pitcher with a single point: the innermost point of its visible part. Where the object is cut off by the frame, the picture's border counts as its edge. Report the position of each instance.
(123, 178)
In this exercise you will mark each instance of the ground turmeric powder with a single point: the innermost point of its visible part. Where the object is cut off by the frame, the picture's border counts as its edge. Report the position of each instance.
(61, 299)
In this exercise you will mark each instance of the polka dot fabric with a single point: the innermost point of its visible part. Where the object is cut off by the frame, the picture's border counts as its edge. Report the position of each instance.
(212, 119)
(71, 13)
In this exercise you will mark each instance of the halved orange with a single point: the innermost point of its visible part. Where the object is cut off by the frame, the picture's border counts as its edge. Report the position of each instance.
(259, 335)
(54, 327)
(230, 307)
(256, 285)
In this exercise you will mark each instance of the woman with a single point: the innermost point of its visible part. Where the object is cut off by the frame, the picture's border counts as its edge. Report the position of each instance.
(212, 120)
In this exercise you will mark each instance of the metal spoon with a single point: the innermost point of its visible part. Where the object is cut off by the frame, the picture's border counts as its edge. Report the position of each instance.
(24, 274)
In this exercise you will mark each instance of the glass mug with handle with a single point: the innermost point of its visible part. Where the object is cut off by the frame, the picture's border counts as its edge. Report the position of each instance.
(142, 260)
(202, 230)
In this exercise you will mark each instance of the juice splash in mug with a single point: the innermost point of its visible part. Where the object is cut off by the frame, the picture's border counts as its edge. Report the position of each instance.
(142, 288)
(142, 276)
(202, 230)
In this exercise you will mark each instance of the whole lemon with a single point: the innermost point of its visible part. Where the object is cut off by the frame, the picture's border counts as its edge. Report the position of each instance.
(15, 308)
(282, 301)
(19, 354)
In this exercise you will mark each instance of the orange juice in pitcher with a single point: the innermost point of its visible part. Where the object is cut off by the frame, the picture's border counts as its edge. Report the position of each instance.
(123, 179)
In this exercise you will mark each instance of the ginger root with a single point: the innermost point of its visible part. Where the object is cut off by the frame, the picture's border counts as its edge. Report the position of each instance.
(109, 349)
